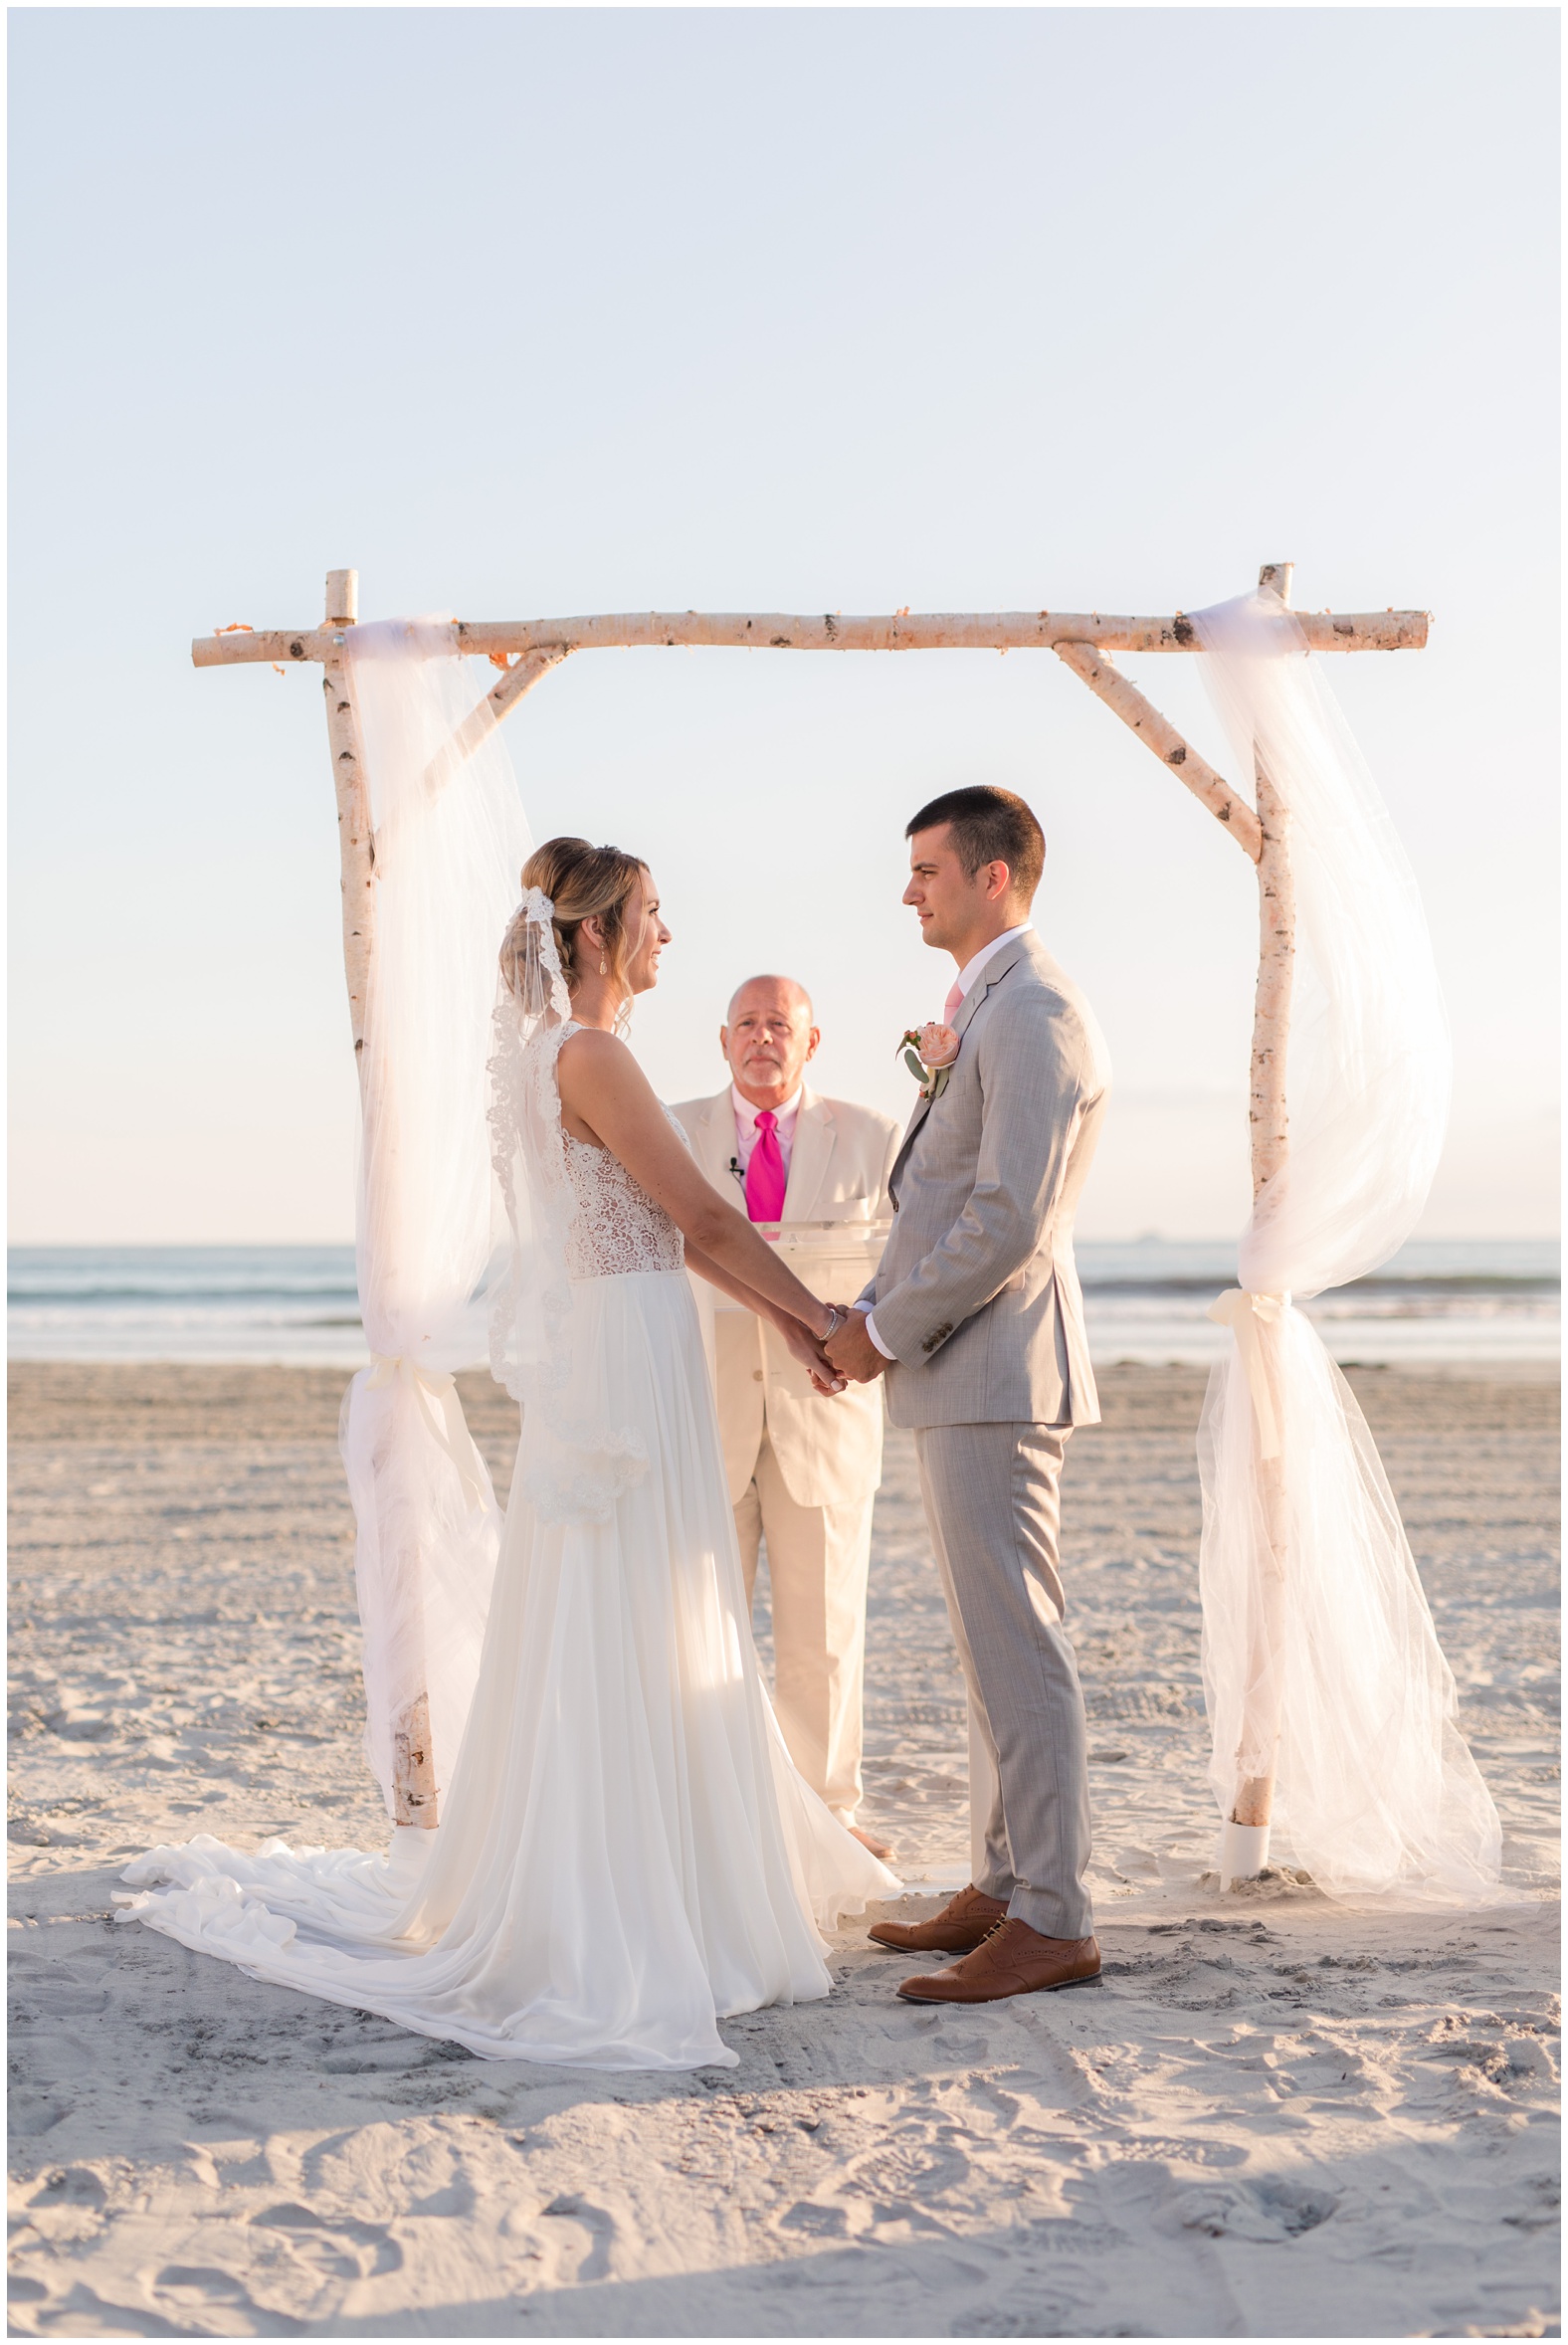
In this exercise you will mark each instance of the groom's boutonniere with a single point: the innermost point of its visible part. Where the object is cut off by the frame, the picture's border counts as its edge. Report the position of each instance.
(929, 1052)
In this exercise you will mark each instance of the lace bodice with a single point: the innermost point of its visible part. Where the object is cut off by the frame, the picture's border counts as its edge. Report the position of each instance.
(617, 1225)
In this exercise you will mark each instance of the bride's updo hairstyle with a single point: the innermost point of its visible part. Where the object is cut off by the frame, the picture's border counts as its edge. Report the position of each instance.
(583, 883)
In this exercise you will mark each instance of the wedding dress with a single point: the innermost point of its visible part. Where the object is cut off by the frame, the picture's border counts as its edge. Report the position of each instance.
(626, 1854)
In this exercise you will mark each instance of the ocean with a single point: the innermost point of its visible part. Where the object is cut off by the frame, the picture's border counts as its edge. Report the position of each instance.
(1440, 1301)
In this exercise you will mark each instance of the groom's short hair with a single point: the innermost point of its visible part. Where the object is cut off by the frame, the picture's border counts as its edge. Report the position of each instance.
(990, 825)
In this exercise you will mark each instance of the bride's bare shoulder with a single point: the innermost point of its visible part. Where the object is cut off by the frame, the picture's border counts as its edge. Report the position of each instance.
(589, 1055)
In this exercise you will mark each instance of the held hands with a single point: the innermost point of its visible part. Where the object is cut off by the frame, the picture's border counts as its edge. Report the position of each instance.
(804, 1346)
(851, 1352)
(844, 1355)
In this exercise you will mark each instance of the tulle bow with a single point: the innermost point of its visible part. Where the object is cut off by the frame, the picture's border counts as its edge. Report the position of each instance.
(1241, 1312)
(436, 1392)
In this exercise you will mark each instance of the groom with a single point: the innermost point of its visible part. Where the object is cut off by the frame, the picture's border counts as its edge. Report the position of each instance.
(976, 1318)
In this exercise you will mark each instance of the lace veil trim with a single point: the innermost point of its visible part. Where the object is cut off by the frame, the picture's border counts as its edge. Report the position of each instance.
(573, 1465)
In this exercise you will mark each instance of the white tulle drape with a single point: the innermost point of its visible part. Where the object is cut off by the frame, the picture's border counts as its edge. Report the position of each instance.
(1320, 1655)
(449, 841)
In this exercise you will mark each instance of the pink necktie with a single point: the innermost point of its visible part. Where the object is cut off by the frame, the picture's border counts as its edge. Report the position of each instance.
(953, 1004)
(765, 1182)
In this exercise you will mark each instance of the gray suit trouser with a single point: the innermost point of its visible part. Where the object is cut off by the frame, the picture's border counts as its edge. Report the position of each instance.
(993, 1504)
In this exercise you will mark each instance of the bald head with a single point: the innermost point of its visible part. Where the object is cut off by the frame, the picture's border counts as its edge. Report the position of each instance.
(768, 1037)
(771, 989)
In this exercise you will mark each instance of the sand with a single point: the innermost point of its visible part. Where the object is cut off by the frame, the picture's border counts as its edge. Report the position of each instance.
(1272, 2117)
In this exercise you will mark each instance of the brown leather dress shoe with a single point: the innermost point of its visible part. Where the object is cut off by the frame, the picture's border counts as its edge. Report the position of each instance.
(961, 1926)
(1012, 1959)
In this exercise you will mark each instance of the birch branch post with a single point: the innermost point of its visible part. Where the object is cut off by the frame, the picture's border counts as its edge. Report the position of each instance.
(413, 1762)
(1245, 1841)
(1266, 837)
(355, 846)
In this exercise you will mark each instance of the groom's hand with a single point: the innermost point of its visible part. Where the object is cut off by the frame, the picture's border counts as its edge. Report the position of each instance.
(853, 1352)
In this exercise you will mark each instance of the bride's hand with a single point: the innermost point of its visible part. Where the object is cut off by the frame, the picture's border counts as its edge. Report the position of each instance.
(803, 1346)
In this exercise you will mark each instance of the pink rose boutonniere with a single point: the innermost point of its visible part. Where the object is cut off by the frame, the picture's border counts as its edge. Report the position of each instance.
(929, 1052)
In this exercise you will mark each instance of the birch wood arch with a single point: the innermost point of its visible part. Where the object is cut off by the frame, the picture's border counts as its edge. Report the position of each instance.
(1085, 642)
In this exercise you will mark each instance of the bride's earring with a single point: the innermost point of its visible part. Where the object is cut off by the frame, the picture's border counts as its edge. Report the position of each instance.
(604, 966)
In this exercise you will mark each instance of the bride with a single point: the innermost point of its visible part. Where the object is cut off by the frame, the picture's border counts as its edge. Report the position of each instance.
(626, 1854)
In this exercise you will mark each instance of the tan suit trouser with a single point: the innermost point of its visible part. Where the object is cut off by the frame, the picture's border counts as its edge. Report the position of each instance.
(816, 1565)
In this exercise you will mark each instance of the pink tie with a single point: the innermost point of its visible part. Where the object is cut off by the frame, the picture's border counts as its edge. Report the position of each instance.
(765, 1182)
(953, 1004)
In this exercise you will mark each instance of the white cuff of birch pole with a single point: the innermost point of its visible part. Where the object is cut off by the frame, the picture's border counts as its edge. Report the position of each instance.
(1244, 1852)
(444, 1420)
(1241, 1312)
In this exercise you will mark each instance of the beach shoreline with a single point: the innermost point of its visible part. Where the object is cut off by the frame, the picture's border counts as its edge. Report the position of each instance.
(1273, 2115)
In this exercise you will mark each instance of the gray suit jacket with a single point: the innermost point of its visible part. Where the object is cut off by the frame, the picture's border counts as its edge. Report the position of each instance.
(977, 1294)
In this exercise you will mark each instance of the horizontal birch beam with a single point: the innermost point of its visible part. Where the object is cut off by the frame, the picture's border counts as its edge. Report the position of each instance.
(997, 631)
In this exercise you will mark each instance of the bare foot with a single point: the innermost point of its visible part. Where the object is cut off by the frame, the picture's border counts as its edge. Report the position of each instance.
(869, 1839)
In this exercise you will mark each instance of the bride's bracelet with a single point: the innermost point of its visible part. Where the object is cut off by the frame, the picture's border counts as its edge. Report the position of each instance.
(840, 1318)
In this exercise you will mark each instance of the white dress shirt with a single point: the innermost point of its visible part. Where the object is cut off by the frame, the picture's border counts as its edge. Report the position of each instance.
(971, 969)
(965, 982)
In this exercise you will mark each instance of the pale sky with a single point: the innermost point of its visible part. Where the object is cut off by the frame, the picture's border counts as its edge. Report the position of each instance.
(535, 312)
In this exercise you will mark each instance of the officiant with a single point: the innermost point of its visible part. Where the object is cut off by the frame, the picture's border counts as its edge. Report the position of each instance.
(803, 1470)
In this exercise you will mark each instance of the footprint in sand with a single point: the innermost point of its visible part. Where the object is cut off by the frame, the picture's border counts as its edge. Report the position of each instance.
(338, 2246)
(1263, 2212)
(602, 2229)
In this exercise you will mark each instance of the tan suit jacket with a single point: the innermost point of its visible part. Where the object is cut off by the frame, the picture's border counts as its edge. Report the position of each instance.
(829, 1449)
